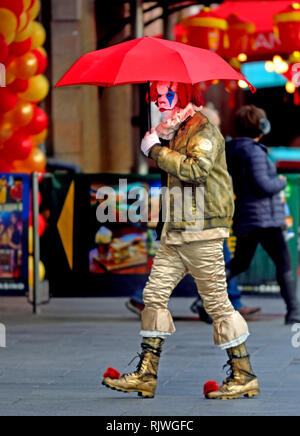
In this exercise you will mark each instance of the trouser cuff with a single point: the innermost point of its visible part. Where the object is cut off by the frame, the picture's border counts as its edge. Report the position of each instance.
(231, 331)
(157, 320)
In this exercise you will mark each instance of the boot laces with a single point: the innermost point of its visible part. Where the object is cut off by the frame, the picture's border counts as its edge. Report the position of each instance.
(230, 370)
(139, 365)
(146, 348)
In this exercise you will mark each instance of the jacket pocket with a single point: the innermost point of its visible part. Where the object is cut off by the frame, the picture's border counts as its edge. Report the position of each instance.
(216, 208)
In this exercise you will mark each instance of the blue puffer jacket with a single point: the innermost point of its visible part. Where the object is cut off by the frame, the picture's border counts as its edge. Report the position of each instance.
(256, 186)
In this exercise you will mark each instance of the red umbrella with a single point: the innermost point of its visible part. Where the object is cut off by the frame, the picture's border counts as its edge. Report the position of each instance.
(146, 60)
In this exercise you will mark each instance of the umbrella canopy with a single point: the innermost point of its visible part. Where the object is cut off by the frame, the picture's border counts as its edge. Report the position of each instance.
(146, 60)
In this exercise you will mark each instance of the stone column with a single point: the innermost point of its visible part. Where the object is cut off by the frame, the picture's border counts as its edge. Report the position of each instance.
(116, 141)
(115, 102)
(75, 110)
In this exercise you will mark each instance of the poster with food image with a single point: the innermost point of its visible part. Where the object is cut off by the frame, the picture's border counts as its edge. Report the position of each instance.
(121, 247)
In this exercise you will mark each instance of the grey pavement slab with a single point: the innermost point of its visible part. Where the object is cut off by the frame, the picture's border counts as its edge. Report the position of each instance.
(53, 363)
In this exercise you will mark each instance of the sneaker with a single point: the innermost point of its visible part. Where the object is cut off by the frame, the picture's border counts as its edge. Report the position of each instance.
(135, 307)
(246, 311)
(292, 317)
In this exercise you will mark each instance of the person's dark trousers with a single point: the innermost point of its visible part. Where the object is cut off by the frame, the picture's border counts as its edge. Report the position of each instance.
(233, 291)
(273, 242)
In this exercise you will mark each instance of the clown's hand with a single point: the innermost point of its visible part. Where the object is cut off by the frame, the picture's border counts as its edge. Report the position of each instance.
(149, 141)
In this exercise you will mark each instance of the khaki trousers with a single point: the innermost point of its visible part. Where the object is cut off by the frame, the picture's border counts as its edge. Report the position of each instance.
(204, 260)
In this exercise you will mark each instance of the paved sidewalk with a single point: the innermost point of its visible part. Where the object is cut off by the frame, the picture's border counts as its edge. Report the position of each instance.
(53, 363)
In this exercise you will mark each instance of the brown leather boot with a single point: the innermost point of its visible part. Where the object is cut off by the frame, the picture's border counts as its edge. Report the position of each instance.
(242, 381)
(144, 379)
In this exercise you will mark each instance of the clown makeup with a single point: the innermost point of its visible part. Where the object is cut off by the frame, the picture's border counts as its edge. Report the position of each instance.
(167, 96)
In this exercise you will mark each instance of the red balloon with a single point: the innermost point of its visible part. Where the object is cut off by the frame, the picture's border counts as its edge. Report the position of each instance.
(3, 49)
(16, 6)
(41, 175)
(18, 147)
(18, 86)
(42, 225)
(20, 48)
(8, 100)
(38, 123)
(5, 167)
(42, 61)
(9, 59)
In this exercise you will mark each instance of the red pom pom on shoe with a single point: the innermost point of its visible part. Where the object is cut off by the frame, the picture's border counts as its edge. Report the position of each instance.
(210, 386)
(112, 373)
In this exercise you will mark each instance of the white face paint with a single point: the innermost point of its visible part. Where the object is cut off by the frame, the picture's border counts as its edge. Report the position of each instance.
(167, 96)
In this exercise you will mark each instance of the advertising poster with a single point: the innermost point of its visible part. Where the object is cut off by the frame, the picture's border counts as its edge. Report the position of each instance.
(121, 247)
(113, 257)
(14, 219)
(121, 250)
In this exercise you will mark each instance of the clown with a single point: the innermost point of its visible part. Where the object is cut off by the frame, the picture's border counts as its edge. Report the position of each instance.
(167, 96)
(191, 151)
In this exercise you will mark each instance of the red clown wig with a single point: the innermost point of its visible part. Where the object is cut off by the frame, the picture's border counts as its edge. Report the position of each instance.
(186, 94)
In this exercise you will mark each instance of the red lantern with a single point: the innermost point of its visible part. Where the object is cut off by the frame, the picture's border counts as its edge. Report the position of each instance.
(231, 87)
(179, 33)
(38, 123)
(238, 36)
(293, 77)
(20, 48)
(290, 73)
(287, 28)
(3, 49)
(18, 147)
(205, 30)
(8, 100)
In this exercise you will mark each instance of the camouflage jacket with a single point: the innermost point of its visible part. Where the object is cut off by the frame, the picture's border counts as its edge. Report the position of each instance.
(196, 159)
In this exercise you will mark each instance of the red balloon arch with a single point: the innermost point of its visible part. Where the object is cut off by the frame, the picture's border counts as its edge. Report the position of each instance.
(23, 123)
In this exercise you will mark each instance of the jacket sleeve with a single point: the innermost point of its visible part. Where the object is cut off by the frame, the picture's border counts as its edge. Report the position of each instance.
(194, 166)
(264, 184)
